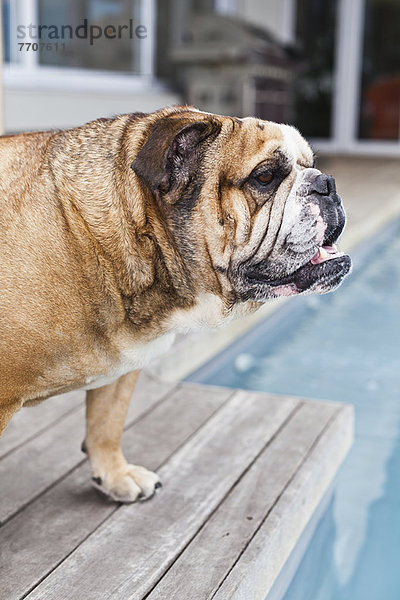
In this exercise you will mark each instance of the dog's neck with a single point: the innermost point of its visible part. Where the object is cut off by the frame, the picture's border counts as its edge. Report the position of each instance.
(122, 219)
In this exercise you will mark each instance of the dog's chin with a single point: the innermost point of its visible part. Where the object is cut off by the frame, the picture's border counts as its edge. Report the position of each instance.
(320, 275)
(317, 278)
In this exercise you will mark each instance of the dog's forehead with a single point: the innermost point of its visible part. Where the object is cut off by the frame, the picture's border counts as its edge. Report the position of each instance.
(295, 145)
(252, 141)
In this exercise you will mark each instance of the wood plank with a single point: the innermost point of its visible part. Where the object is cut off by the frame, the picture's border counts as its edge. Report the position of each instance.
(190, 407)
(259, 565)
(144, 539)
(31, 468)
(32, 420)
(36, 540)
(148, 392)
(217, 547)
(36, 465)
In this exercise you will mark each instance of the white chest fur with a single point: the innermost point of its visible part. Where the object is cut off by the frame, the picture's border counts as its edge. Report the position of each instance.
(135, 357)
(209, 311)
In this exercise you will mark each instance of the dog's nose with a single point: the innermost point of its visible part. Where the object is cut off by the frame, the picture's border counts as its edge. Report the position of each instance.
(325, 185)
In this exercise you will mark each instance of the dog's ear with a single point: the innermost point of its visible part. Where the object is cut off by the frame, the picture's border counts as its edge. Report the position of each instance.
(172, 153)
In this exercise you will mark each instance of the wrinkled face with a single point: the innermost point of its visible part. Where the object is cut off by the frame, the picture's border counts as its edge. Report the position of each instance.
(248, 191)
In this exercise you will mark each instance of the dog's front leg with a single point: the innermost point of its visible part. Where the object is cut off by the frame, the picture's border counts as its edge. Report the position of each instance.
(106, 409)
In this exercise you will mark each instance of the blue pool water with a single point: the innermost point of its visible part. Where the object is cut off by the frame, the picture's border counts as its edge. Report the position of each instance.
(342, 347)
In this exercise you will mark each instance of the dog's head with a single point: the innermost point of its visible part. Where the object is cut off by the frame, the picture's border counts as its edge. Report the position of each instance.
(243, 196)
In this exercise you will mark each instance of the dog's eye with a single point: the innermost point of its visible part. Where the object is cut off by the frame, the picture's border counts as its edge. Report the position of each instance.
(265, 177)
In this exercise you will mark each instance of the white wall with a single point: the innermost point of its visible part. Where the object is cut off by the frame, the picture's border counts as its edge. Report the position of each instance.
(54, 109)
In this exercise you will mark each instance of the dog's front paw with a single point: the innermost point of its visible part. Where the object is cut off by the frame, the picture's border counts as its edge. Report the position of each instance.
(128, 483)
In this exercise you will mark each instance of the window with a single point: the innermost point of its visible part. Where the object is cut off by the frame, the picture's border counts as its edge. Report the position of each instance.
(107, 35)
(118, 18)
(6, 26)
(380, 76)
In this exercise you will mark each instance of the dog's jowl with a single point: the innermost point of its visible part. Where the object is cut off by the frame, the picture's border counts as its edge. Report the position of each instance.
(116, 235)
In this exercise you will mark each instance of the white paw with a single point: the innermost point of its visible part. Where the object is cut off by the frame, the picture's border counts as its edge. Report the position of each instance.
(128, 484)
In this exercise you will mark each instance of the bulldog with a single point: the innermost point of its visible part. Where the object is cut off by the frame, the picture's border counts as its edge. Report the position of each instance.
(117, 235)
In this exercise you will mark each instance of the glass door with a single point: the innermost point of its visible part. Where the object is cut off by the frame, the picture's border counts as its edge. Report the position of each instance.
(313, 89)
(365, 88)
(379, 109)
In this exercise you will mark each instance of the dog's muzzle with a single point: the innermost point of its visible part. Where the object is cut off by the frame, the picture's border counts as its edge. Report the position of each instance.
(304, 257)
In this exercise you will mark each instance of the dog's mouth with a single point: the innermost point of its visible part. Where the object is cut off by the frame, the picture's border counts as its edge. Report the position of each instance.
(322, 273)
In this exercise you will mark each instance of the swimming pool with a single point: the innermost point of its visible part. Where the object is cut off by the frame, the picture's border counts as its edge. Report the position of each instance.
(342, 347)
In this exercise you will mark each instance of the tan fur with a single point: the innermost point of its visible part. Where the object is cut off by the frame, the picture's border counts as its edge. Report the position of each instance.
(106, 409)
(90, 268)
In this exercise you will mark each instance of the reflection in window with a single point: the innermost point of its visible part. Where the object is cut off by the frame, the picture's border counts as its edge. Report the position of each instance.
(59, 44)
(105, 54)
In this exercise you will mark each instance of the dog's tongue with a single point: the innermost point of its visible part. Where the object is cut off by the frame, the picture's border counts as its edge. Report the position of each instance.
(325, 253)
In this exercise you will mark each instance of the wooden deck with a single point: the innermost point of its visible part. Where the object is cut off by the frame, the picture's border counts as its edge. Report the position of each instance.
(243, 472)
